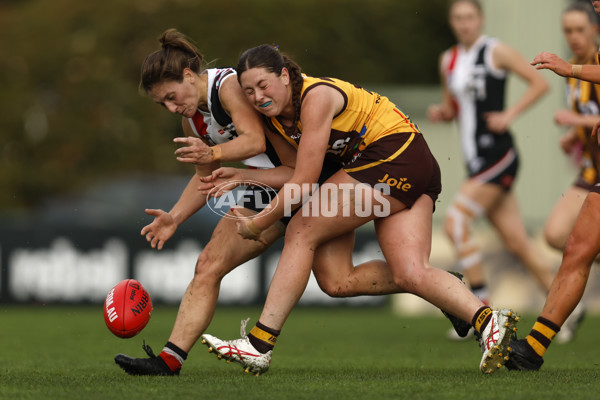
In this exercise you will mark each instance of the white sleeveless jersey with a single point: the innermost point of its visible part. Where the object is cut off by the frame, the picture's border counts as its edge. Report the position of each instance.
(477, 87)
(216, 126)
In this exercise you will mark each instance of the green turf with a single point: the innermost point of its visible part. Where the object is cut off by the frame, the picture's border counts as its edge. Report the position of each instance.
(330, 353)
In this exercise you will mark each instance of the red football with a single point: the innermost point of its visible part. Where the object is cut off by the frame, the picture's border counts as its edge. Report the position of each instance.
(127, 308)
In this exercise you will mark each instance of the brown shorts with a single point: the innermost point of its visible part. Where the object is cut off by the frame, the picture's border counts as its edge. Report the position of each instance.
(584, 180)
(404, 162)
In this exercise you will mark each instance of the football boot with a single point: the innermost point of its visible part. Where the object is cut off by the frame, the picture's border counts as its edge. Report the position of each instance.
(144, 366)
(495, 340)
(523, 357)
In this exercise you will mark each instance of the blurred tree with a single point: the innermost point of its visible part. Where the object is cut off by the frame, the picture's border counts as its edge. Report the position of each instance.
(71, 109)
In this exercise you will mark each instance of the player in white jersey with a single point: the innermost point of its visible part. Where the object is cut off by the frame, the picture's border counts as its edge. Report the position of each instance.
(473, 75)
(221, 125)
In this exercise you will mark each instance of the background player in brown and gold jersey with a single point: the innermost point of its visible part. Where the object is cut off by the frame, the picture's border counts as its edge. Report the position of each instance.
(580, 27)
(581, 30)
(581, 248)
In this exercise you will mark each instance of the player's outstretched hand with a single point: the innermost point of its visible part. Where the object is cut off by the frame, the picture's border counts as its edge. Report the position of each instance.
(221, 181)
(552, 62)
(194, 151)
(160, 230)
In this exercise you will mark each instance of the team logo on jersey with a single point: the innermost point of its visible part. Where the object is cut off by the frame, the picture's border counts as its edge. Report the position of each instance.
(338, 146)
(240, 193)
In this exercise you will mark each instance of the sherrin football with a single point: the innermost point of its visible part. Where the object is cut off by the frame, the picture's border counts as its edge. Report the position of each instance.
(127, 308)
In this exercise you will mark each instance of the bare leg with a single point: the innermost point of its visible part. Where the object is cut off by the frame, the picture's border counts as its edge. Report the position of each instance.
(507, 220)
(303, 237)
(562, 218)
(305, 234)
(338, 277)
(472, 201)
(405, 239)
(582, 247)
(198, 304)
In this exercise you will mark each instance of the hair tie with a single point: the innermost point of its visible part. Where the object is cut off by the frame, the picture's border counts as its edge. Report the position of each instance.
(275, 47)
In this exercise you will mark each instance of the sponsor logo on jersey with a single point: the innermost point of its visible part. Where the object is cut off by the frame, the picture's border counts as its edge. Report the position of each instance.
(398, 183)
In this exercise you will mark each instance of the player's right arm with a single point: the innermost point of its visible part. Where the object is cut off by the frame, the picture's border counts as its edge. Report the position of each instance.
(191, 200)
(272, 177)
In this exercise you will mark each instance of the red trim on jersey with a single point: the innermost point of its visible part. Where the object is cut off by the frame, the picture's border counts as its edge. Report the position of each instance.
(406, 119)
(453, 56)
(199, 124)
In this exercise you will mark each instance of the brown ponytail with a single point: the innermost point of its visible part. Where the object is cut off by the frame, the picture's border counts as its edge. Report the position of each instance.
(167, 64)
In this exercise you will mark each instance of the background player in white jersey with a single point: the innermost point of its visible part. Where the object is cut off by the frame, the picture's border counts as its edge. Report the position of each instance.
(473, 75)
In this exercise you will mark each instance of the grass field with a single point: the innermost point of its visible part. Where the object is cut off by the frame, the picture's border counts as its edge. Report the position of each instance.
(331, 353)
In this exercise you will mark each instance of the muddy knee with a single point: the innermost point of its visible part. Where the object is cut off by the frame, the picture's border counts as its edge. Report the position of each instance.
(209, 270)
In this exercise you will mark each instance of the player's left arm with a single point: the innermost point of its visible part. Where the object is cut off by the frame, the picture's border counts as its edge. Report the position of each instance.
(248, 124)
(319, 107)
(506, 58)
(546, 60)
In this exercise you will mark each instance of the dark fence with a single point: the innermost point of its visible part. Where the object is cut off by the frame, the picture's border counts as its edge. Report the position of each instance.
(79, 265)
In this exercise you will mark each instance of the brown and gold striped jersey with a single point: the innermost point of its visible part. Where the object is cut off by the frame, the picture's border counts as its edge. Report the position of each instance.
(584, 98)
(366, 117)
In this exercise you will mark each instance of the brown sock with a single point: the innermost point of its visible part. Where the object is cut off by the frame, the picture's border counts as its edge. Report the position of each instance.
(263, 338)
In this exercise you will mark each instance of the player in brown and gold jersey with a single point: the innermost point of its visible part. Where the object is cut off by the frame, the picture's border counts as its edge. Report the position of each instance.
(581, 30)
(580, 27)
(388, 176)
(581, 248)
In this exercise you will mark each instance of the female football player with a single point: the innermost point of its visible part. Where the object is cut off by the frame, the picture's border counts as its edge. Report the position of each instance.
(579, 23)
(473, 75)
(389, 176)
(581, 248)
(220, 125)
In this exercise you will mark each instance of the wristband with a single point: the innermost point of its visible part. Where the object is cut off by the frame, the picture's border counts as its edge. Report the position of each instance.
(253, 228)
(576, 71)
(215, 153)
